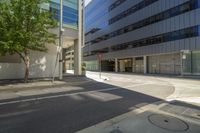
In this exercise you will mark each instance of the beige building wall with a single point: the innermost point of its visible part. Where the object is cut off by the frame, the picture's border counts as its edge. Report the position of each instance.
(10, 59)
(42, 65)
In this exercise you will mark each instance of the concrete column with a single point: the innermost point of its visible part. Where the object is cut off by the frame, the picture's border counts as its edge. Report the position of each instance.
(145, 64)
(71, 60)
(133, 64)
(116, 65)
(77, 58)
(64, 61)
(61, 42)
(83, 22)
(79, 42)
(181, 59)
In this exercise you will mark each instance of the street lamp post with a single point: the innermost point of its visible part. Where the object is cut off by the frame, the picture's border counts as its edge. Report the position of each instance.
(61, 42)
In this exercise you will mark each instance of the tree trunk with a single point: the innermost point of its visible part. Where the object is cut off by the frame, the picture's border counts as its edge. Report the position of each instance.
(27, 64)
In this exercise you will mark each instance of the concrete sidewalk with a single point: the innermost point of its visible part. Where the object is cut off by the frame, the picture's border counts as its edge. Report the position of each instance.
(153, 118)
(10, 89)
(95, 76)
(42, 83)
(15, 88)
(179, 112)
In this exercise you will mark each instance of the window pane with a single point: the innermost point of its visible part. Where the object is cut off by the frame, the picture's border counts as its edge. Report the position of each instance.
(196, 62)
(187, 62)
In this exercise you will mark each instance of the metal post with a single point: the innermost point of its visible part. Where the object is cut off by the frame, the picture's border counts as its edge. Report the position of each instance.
(100, 68)
(99, 55)
(61, 41)
(145, 64)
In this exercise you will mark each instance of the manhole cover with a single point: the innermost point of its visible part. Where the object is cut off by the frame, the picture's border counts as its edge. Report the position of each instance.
(168, 122)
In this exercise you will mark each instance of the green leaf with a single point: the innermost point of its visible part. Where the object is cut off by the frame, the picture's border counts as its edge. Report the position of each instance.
(24, 26)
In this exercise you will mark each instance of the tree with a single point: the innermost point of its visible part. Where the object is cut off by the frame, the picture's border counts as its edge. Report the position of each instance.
(24, 27)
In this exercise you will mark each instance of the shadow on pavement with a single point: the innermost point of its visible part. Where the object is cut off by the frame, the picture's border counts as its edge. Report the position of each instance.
(76, 110)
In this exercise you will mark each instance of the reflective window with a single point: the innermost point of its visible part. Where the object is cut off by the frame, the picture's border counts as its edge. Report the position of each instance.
(171, 36)
(131, 10)
(185, 7)
(116, 4)
(166, 37)
(199, 30)
(196, 62)
(94, 19)
(187, 66)
(70, 13)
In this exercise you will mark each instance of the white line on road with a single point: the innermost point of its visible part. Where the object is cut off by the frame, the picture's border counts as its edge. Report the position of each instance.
(57, 96)
(71, 94)
(186, 99)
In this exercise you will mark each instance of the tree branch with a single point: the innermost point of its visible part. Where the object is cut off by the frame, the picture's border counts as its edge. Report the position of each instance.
(22, 57)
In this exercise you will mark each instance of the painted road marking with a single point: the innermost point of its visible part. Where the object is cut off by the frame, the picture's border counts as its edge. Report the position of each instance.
(71, 94)
(57, 96)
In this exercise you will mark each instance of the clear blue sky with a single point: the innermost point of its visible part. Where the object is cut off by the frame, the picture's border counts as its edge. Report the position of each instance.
(87, 1)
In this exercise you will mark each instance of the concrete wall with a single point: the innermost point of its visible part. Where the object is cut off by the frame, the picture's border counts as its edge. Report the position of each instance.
(10, 59)
(42, 65)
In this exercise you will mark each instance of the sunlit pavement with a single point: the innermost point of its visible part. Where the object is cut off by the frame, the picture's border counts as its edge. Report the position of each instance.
(154, 118)
(114, 104)
(180, 114)
(184, 89)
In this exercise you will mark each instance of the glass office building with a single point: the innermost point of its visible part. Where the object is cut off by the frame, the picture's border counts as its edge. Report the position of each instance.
(71, 29)
(144, 36)
(70, 12)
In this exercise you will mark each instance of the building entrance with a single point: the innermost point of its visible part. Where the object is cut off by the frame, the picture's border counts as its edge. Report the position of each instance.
(138, 65)
(108, 65)
(125, 65)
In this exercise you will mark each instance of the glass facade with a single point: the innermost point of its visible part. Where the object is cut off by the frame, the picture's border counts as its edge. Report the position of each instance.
(93, 19)
(161, 38)
(91, 65)
(186, 62)
(131, 10)
(70, 12)
(191, 59)
(186, 7)
(191, 62)
(178, 41)
(115, 4)
(196, 62)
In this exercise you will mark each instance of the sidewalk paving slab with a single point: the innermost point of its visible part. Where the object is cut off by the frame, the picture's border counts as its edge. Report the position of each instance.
(16, 89)
(148, 119)
(17, 85)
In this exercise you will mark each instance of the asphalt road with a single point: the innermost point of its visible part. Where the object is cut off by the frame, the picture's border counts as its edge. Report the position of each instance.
(73, 111)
